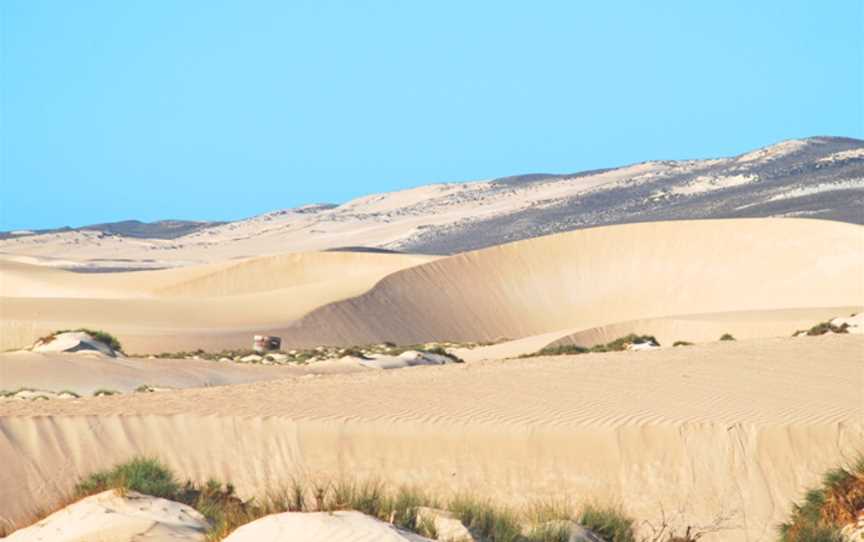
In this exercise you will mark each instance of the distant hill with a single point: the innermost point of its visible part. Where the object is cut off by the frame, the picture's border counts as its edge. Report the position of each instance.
(161, 229)
(817, 177)
(820, 177)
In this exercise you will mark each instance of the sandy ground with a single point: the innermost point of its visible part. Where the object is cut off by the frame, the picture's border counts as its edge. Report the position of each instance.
(84, 374)
(322, 527)
(732, 428)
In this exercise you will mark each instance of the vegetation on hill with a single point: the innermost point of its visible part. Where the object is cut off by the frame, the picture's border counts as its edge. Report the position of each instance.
(826, 510)
(618, 345)
(303, 356)
(402, 507)
(822, 328)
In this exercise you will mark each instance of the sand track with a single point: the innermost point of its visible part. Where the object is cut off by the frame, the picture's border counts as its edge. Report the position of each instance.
(738, 428)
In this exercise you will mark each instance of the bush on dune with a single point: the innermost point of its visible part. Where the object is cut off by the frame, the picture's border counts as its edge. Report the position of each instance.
(610, 523)
(823, 328)
(561, 350)
(825, 511)
(143, 475)
(621, 343)
(618, 345)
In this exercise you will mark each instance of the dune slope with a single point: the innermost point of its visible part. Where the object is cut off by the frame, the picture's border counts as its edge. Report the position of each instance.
(215, 306)
(601, 276)
(736, 429)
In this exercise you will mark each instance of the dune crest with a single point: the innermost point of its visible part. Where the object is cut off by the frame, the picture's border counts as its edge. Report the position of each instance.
(218, 305)
(601, 276)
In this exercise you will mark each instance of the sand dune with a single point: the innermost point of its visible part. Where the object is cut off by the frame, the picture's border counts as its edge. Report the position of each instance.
(738, 428)
(578, 281)
(218, 305)
(601, 276)
(109, 517)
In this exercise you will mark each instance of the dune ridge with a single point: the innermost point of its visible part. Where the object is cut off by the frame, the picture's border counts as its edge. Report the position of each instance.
(602, 276)
(218, 305)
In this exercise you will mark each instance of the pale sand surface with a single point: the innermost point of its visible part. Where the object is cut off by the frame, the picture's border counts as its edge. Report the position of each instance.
(691, 328)
(84, 374)
(110, 517)
(601, 276)
(218, 305)
(321, 527)
(736, 428)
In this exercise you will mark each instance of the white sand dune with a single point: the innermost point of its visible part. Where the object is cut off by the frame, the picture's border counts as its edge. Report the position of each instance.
(602, 276)
(340, 526)
(110, 517)
(218, 305)
(725, 428)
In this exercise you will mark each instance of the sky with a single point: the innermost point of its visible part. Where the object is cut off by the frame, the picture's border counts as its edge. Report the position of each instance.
(218, 110)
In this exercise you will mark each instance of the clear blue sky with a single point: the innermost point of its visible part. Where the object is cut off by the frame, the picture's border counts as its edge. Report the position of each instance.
(206, 109)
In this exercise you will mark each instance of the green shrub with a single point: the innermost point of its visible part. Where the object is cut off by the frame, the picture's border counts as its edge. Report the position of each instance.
(489, 521)
(682, 343)
(727, 337)
(826, 510)
(561, 350)
(827, 327)
(143, 475)
(105, 393)
(621, 343)
(617, 345)
(608, 522)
